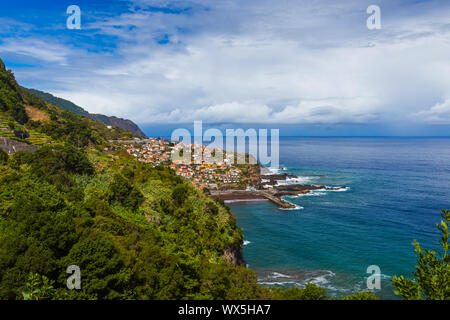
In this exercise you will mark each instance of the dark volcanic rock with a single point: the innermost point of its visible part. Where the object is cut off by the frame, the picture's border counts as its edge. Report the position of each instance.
(124, 124)
(233, 256)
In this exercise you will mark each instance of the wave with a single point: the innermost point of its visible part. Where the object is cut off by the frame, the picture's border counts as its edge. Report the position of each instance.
(279, 275)
(297, 207)
(336, 285)
(295, 181)
(313, 193)
(295, 278)
(333, 189)
(321, 280)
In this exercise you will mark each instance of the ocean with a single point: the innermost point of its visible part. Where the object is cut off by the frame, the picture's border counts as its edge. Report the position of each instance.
(396, 188)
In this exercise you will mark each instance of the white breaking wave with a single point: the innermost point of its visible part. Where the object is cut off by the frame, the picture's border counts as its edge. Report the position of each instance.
(295, 181)
(276, 275)
(275, 278)
(296, 207)
(322, 279)
(312, 194)
(337, 189)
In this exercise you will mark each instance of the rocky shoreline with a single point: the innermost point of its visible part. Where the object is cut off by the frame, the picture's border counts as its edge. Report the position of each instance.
(269, 189)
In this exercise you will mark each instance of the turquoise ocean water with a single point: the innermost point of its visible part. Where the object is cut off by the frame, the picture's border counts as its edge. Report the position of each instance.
(396, 188)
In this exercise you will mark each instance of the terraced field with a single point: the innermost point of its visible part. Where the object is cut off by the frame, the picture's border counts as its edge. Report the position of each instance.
(36, 138)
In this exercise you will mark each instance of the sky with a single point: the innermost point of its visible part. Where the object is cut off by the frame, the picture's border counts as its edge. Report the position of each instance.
(306, 67)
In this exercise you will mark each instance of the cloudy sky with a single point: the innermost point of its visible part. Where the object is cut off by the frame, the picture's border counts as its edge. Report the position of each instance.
(308, 67)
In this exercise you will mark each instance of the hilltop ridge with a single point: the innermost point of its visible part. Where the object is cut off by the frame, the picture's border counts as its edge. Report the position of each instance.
(26, 118)
(108, 120)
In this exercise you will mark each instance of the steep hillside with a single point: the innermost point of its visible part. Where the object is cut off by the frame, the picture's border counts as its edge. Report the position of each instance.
(135, 232)
(111, 121)
(27, 119)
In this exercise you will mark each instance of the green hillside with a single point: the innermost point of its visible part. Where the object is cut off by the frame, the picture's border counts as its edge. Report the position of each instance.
(62, 103)
(29, 119)
(135, 232)
(70, 106)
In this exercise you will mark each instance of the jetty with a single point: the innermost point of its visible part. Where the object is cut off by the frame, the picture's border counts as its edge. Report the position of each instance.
(251, 195)
(274, 195)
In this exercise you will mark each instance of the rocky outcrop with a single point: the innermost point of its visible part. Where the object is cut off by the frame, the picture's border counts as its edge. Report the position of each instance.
(124, 124)
(233, 256)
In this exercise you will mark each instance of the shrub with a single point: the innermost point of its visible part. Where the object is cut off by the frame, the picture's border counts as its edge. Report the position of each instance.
(123, 192)
(432, 275)
(180, 194)
(3, 156)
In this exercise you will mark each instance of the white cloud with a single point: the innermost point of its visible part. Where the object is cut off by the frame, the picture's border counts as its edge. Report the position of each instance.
(261, 61)
(37, 49)
(438, 114)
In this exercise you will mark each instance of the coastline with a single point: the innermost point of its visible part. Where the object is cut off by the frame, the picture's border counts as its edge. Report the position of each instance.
(268, 188)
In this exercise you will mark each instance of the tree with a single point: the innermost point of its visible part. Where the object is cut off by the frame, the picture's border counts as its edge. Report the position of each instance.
(432, 275)
(103, 275)
(3, 156)
(310, 292)
(180, 194)
(54, 159)
(19, 114)
(123, 192)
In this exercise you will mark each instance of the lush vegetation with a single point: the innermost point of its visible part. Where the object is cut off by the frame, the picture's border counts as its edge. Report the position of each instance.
(11, 102)
(432, 275)
(119, 221)
(136, 232)
(27, 118)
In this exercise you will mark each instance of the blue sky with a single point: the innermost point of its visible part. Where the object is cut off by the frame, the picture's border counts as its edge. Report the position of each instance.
(306, 67)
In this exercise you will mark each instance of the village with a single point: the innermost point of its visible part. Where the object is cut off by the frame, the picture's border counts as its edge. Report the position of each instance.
(202, 170)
